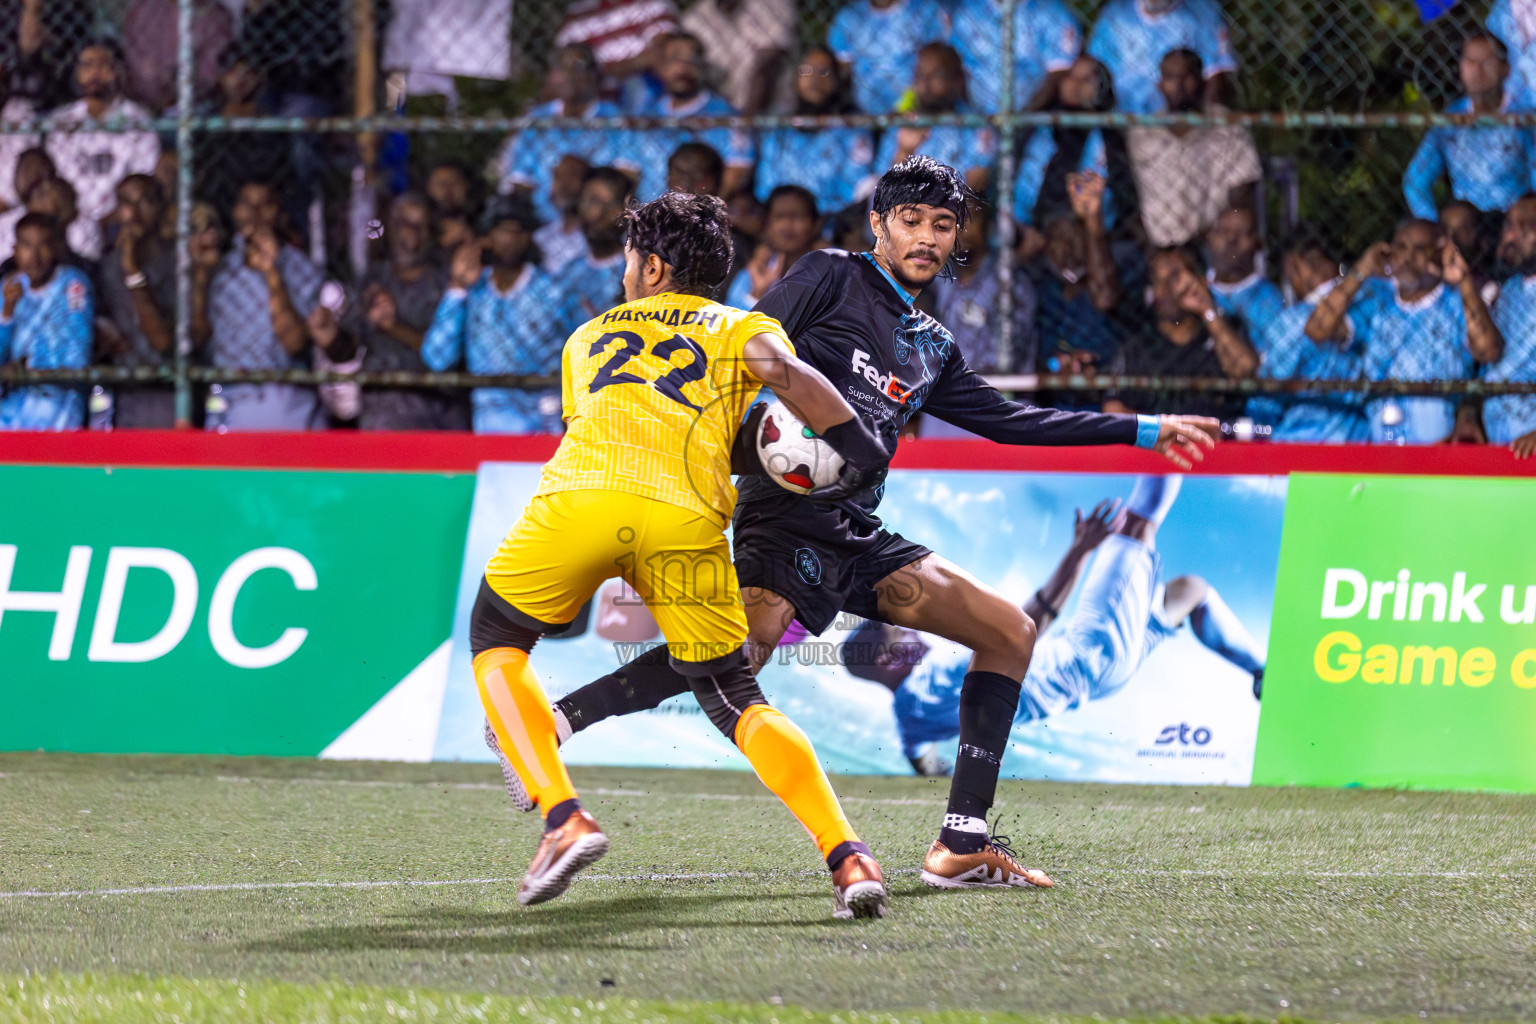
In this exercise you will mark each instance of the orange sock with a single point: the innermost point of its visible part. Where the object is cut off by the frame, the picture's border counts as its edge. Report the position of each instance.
(783, 758)
(525, 727)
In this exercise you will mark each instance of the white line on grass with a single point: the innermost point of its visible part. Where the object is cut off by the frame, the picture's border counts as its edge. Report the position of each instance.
(708, 876)
(406, 883)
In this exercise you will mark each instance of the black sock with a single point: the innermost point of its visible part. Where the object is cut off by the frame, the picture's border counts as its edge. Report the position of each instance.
(987, 703)
(639, 686)
(558, 813)
(841, 851)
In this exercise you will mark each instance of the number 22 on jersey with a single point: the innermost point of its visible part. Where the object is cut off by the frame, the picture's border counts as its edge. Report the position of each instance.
(631, 345)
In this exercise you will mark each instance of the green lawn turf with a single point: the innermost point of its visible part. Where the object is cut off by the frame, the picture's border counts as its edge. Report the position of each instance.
(1327, 905)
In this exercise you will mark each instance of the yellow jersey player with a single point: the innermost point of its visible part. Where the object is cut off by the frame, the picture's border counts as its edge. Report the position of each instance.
(640, 488)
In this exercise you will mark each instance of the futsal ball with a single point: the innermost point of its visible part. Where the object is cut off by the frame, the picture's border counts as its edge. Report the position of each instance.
(794, 456)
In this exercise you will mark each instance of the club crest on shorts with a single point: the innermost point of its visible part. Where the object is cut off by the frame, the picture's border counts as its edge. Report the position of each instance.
(808, 566)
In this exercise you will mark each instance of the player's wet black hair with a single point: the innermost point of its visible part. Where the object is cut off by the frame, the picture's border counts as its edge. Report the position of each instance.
(923, 181)
(689, 233)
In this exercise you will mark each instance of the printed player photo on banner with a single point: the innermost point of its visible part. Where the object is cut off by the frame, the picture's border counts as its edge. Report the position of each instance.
(1152, 601)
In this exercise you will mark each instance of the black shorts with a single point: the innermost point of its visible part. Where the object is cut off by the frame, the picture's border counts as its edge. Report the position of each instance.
(817, 556)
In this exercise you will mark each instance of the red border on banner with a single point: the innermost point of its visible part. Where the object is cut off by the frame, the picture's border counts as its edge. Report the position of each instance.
(453, 452)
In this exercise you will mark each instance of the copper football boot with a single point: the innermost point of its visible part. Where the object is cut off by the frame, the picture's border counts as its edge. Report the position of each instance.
(993, 866)
(858, 888)
(562, 852)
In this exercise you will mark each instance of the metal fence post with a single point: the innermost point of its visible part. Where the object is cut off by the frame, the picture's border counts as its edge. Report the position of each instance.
(1006, 170)
(184, 67)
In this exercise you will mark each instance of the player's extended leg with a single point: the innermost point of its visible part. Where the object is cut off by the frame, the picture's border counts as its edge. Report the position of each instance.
(1215, 625)
(699, 609)
(936, 596)
(549, 563)
(518, 711)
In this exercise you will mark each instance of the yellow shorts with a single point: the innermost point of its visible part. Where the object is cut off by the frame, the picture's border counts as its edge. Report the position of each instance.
(567, 543)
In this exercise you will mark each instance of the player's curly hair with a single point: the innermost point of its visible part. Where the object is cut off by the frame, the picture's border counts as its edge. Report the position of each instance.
(689, 233)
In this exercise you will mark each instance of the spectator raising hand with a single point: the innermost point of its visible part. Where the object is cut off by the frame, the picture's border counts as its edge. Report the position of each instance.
(465, 270)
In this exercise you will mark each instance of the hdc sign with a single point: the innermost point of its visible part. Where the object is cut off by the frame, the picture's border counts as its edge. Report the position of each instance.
(64, 604)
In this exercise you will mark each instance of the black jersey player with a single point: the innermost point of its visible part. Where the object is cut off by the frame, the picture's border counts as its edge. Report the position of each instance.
(851, 316)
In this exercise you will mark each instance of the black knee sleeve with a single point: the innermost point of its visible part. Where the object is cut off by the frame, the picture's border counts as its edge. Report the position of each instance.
(725, 687)
(495, 623)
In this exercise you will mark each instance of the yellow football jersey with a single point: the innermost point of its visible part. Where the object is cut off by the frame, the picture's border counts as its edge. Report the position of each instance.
(654, 392)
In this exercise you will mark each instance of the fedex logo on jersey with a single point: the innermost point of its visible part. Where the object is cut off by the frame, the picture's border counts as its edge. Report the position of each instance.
(888, 384)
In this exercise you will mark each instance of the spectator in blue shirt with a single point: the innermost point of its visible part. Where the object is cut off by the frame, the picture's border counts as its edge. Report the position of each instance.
(791, 228)
(1421, 330)
(502, 319)
(257, 305)
(831, 162)
(938, 85)
(1130, 37)
(681, 70)
(1238, 285)
(1488, 167)
(529, 159)
(1053, 153)
(45, 324)
(1511, 419)
(1046, 39)
(1311, 267)
(1248, 299)
(877, 40)
(594, 283)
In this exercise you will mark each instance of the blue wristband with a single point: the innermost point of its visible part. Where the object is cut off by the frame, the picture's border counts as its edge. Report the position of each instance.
(1148, 428)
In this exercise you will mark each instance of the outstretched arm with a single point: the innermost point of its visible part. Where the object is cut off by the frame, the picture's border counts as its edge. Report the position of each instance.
(963, 398)
(1088, 532)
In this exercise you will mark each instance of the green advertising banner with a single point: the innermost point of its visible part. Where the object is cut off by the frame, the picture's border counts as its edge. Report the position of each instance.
(213, 611)
(1402, 650)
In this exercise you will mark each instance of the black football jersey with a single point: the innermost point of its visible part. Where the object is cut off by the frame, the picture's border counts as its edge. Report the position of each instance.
(853, 322)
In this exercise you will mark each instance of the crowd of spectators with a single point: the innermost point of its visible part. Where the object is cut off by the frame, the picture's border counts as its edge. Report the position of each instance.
(1139, 251)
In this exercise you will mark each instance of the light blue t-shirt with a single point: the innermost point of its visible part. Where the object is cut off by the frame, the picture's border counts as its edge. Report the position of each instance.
(1489, 167)
(1132, 44)
(960, 148)
(49, 330)
(647, 151)
(1251, 304)
(529, 157)
(1288, 354)
(881, 45)
(1514, 313)
(1419, 341)
(493, 332)
(830, 163)
(1521, 83)
(1046, 38)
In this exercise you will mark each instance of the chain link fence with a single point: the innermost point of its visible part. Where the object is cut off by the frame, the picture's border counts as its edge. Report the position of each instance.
(1291, 140)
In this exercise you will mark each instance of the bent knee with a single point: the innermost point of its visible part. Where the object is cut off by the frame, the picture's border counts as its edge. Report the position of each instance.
(1183, 594)
(1010, 634)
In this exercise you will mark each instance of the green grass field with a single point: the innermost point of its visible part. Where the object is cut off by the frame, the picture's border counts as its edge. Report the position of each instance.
(248, 889)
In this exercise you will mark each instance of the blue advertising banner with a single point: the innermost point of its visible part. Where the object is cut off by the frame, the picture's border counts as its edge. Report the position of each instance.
(1148, 674)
